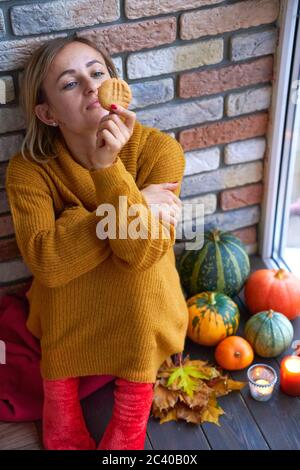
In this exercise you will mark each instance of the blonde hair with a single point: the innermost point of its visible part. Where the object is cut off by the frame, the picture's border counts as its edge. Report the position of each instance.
(39, 138)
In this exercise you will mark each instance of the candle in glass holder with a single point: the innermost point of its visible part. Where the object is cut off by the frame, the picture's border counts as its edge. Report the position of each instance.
(262, 379)
(290, 375)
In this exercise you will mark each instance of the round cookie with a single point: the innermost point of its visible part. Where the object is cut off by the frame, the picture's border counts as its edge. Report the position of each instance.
(114, 91)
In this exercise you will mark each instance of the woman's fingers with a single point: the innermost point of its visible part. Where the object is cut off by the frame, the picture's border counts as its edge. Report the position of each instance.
(170, 186)
(111, 117)
(167, 218)
(168, 189)
(161, 199)
(129, 116)
(112, 127)
(171, 198)
(109, 139)
(170, 219)
(170, 212)
(117, 128)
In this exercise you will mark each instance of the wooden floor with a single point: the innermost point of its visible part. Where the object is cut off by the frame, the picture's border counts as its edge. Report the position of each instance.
(247, 424)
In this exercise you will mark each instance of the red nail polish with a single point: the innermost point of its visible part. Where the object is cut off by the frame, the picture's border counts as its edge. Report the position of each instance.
(113, 106)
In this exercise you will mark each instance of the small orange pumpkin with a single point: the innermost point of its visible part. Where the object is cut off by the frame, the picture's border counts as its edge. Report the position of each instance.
(234, 353)
(275, 289)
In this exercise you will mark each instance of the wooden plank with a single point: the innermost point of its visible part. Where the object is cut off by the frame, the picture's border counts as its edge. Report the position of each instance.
(278, 418)
(18, 436)
(248, 424)
(238, 429)
(178, 435)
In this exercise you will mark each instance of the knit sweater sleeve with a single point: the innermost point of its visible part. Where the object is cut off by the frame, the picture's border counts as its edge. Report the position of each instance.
(55, 250)
(163, 161)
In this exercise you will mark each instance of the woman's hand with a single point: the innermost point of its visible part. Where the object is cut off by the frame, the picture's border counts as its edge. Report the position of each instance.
(113, 133)
(162, 202)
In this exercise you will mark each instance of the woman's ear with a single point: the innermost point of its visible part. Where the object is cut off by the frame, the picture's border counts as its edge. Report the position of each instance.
(42, 112)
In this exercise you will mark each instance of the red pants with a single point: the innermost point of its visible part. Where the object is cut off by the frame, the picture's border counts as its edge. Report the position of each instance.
(64, 427)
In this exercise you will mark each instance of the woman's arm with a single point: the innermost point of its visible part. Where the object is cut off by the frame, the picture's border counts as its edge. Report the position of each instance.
(56, 251)
(165, 160)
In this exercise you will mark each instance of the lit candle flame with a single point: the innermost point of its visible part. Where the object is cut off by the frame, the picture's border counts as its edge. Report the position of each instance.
(293, 364)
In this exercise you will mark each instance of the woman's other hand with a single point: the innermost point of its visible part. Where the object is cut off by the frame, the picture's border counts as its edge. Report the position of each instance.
(113, 133)
(163, 202)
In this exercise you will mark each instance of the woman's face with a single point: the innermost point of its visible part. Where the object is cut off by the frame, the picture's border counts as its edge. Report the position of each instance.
(71, 87)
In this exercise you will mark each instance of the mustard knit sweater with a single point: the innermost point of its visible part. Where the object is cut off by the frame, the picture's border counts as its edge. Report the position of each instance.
(112, 306)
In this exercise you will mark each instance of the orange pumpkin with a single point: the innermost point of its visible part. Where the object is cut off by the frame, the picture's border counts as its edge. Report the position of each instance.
(234, 353)
(273, 289)
(212, 317)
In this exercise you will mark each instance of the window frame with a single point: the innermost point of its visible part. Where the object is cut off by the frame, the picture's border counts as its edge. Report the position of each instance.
(278, 160)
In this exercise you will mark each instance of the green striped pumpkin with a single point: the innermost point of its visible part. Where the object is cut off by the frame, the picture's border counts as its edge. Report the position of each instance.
(222, 265)
(212, 317)
(269, 333)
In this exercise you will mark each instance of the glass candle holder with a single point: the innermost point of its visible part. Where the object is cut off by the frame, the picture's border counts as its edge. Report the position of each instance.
(262, 379)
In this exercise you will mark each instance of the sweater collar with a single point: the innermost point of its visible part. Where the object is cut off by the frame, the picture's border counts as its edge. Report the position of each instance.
(77, 178)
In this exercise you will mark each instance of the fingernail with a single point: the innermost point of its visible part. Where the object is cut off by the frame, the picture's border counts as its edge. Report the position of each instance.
(113, 106)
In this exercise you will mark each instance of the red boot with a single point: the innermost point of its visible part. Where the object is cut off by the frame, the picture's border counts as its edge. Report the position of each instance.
(64, 427)
(127, 427)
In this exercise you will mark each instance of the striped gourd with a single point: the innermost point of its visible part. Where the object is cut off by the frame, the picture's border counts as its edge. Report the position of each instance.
(270, 333)
(212, 317)
(222, 265)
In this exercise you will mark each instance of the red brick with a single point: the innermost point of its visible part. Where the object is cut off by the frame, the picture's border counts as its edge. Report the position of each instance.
(16, 288)
(247, 235)
(4, 206)
(9, 249)
(224, 132)
(6, 226)
(3, 168)
(134, 36)
(213, 81)
(245, 14)
(241, 197)
(137, 8)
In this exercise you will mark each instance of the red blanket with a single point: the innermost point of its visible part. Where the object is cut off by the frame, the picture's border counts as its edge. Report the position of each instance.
(21, 386)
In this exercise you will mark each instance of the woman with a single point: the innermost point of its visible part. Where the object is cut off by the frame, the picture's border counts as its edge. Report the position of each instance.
(98, 305)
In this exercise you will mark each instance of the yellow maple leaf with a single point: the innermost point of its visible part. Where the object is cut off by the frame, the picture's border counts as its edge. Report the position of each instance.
(189, 391)
(184, 378)
(212, 411)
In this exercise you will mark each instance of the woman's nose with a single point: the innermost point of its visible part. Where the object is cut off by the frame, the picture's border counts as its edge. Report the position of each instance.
(90, 85)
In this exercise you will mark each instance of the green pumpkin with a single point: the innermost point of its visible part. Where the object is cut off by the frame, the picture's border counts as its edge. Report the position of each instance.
(221, 265)
(270, 333)
(212, 317)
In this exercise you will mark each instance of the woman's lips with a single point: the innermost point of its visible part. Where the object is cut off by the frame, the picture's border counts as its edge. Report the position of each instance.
(94, 105)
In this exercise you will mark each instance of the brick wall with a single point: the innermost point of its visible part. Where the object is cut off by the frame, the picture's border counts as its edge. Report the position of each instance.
(201, 70)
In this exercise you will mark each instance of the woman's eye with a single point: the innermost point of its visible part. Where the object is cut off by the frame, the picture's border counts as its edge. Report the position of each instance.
(100, 73)
(68, 85)
(96, 74)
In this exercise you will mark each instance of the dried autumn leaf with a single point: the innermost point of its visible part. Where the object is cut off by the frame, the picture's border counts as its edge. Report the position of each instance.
(223, 385)
(170, 416)
(235, 384)
(189, 391)
(212, 412)
(200, 397)
(188, 414)
(164, 398)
